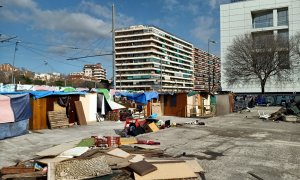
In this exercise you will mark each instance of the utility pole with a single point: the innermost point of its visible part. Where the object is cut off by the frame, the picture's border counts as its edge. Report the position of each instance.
(113, 47)
(13, 64)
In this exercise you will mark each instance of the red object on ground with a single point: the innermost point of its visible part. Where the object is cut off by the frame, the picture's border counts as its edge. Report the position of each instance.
(148, 142)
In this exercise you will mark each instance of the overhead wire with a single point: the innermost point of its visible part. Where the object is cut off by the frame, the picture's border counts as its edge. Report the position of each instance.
(41, 54)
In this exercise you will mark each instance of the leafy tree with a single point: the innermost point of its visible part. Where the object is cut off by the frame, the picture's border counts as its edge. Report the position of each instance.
(258, 57)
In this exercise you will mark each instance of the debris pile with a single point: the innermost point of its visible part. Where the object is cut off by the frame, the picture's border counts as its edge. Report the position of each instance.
(105, 157)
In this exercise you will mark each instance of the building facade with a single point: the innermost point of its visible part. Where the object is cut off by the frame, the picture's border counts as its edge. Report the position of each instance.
(94, 70)
(207, 71)
(259, 17)
(148, 58)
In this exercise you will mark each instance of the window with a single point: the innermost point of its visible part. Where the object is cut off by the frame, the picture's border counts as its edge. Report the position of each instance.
(283, 17)
(283, 60)
(261, 20)
(283, 36)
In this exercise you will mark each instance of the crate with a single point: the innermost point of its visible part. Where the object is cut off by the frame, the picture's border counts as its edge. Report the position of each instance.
(113, 141)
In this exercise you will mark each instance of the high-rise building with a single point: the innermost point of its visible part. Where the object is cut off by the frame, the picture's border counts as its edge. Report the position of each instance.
(95, 71)
(259, 17)
(207, 71)
(148, 58)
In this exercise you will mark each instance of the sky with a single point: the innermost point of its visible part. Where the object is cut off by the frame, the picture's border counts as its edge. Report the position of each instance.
(50, 32)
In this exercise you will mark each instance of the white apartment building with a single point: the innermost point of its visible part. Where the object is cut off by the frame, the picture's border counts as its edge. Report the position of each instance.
(148, 58)
(94, 70)
(280, 17)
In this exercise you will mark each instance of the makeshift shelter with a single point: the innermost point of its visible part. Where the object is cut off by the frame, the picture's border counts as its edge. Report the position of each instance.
(15, 112)
(46, 101)
(107, 107)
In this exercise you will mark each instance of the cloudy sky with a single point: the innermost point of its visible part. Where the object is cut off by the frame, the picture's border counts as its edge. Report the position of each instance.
(50, 32)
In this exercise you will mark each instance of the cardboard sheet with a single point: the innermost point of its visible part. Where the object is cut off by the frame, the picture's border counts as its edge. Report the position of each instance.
(119, 153)
(169, 171)
(56, 150)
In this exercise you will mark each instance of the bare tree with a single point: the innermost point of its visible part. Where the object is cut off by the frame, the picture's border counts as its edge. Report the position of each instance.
(259, 57)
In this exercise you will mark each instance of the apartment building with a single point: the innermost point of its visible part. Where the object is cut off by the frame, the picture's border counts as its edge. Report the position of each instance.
(260, 17)
(95, 71)
(207, 71)
(148, 58)
(7, 67)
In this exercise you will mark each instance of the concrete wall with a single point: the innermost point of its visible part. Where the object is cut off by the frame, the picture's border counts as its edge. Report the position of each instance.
(236, 19)
(89, 103)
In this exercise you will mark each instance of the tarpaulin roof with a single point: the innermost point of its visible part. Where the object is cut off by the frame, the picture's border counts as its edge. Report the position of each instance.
(105, 92)
(139, 97)
(41, 94)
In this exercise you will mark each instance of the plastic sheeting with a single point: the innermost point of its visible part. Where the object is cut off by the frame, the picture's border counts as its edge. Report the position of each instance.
(113, 105)
(21, 106)
(6, 111)
(13, 129)
(139, 97)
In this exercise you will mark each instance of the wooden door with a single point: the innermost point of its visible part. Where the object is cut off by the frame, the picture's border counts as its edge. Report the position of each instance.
(39, 114)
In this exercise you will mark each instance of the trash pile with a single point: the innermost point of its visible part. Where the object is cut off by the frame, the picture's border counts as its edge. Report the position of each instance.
(289, 114)
(135, 126)
(108, 157)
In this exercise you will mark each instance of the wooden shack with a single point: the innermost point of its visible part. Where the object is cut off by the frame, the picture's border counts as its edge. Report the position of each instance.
(41, 107)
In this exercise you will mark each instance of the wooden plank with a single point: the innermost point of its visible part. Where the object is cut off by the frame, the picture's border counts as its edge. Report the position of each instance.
(25, 175)
(16, 170)
(80, 113)
(51, 171)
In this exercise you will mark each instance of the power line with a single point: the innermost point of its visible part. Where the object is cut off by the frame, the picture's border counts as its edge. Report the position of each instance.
(40, 54)
(82, 57)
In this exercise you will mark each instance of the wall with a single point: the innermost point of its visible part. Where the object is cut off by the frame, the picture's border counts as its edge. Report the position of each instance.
(236, 19)
(89, 103)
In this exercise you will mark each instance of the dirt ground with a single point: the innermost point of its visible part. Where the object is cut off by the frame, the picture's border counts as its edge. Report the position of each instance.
(235, 146)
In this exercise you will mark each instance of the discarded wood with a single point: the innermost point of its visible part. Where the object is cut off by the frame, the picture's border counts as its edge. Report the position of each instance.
(142, 167)
(16, 170)
(80, 113)
(51, 171)
(47, 161)
(58, 119)
(25, 175)
(169, 171)
(256, 176)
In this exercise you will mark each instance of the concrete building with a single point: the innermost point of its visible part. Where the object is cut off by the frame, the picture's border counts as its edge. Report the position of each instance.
(148, 58)
(258, 17)
(95, 70)
(206, 71)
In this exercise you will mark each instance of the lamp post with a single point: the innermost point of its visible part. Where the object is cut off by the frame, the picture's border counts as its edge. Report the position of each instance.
(208, 42)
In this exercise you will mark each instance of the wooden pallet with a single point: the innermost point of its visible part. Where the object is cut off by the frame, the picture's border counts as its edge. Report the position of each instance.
(58, 119)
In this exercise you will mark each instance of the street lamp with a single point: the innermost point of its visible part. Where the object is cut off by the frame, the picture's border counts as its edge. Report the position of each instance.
(208, 42)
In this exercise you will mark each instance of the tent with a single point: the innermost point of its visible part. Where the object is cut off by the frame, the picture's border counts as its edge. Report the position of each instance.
(15, 112)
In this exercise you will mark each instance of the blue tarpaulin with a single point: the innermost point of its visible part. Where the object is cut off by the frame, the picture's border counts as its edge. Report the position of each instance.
(13, 129)
(41, 94)
(21, 106)
(139, 97)
(20, 109)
